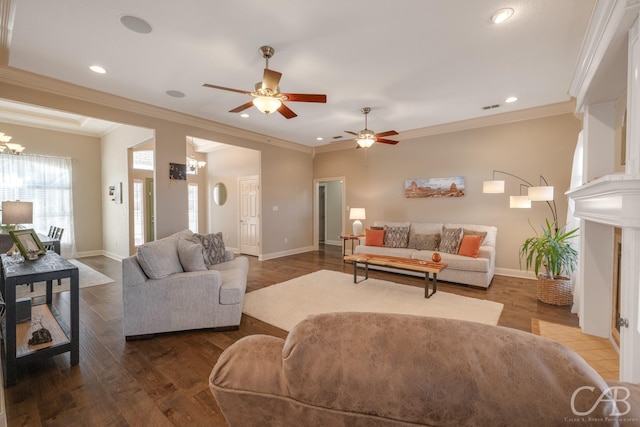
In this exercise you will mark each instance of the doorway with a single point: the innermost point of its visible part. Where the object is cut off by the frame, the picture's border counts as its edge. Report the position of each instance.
(149, 211)
(328, 218)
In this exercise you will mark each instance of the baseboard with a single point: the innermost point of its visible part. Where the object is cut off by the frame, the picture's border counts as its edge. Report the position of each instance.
(333, 242)
(265, 257)
(510, 272)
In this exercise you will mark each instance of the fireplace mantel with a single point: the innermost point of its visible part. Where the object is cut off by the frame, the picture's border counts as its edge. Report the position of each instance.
(612, 199)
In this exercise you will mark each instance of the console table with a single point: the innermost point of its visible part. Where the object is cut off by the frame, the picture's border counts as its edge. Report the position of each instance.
(16, 350)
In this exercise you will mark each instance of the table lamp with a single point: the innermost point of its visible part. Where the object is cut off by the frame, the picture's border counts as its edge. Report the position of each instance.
(357, 214)
(16, 213)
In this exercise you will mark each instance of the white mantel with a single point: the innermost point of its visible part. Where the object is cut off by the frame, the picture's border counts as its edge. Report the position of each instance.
(612, 200)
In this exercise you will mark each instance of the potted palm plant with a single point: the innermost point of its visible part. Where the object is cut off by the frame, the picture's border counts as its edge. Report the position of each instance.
(553, 251)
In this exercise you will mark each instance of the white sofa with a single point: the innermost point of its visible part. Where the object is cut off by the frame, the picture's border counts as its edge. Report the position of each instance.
(164, 290)
(460, 269)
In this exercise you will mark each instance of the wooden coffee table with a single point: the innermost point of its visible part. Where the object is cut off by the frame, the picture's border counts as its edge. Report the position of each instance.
(429, 268)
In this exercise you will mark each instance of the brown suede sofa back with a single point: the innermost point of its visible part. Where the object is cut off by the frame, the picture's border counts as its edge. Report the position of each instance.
(366, 369)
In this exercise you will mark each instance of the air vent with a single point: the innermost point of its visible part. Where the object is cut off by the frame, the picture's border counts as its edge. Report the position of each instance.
(490, 107)
(337, 137)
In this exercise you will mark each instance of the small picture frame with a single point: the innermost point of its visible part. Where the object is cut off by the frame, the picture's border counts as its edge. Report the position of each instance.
(177, 171)
(28, 243)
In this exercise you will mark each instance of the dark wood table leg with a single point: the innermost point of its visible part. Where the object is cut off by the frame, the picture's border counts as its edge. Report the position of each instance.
(426, 284)
(355, 271)
(74, 289)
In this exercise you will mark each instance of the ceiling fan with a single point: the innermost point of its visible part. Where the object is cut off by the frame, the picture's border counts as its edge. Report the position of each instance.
(267, 96)
(365, 138)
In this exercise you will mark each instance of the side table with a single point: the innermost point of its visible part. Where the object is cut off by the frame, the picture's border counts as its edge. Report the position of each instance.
(345, 238)
(16, 350)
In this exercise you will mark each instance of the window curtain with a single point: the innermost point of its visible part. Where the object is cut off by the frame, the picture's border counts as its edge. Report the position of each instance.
(47, 182)
(577, 174)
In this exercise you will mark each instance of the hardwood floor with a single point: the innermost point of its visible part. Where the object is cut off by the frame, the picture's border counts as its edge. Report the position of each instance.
(163, 381)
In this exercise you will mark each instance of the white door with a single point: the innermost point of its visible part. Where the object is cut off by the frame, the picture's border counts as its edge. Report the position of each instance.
(249, 215)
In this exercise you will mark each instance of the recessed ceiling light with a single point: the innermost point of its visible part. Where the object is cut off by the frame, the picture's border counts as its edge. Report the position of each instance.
(511, 99)
(135, 24)
(244, 115)
(499, 16)
(175, 93)
(97, 69)
(319, 138)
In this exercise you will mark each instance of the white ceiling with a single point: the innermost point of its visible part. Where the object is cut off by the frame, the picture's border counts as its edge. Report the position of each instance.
(416, 63)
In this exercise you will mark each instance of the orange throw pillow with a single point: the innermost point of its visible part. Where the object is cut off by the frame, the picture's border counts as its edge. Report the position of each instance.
(470, 245)
(374, 237)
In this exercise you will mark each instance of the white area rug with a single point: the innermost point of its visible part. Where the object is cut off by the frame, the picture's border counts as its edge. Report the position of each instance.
(87, 275)
(287, 303)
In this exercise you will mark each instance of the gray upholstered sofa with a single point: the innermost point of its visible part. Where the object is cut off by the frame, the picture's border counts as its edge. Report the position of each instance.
(467, 270)
(367, 369)
(160, 296)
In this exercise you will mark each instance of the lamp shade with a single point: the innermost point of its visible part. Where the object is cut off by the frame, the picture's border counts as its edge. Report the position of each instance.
(17, 212)
(519, 202)
(365, 142)
(267, 104)
(493, 186)
(541, 194)
(357, 213)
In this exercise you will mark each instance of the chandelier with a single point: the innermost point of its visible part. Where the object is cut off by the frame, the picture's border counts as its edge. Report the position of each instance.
(194, 164)
(9, 147)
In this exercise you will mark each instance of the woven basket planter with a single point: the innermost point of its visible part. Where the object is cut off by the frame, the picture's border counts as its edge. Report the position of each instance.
(555, 292)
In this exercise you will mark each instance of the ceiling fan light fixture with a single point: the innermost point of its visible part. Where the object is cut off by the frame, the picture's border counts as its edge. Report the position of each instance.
(267, 104)
(365, 142)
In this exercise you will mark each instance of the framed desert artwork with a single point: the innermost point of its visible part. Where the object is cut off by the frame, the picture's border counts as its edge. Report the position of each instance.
(434, 187)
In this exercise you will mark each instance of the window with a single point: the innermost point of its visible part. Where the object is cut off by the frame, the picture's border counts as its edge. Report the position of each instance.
(45, 181)
(143, 159)
(138, 212)
(193, 207)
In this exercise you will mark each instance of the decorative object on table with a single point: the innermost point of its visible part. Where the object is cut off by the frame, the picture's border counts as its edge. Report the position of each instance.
(436, 257)
(552, 251)
(177, 171)
(535, 193)
(40, 335)
(357, 214)
(434, 187)
(16, 213)
(28, 243)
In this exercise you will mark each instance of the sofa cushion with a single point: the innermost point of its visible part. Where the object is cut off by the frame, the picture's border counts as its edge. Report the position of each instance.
(159, 259)
(456, 262)
(470, 245)
(426, 228)
(374, 237)
(190, 254)
(212, 247)
(396, 237)
(450, 241)
(383, 250)
(424, 241)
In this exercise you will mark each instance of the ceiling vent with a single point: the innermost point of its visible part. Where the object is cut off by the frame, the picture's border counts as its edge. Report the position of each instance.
(490, 107)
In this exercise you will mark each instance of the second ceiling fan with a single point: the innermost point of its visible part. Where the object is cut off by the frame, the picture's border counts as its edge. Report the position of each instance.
(365, 138)
(267, 95)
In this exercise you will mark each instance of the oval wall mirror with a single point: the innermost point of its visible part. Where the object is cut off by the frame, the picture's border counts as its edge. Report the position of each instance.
(219, 194)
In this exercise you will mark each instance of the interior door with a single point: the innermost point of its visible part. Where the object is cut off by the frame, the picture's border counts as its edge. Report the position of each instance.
(322, 212)
(249, 189)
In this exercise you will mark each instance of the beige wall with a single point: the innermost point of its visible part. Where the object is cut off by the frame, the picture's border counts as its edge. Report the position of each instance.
(87, 189)
(375, 179)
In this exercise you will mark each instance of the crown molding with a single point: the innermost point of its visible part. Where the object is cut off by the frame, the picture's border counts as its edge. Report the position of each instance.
(41, 83)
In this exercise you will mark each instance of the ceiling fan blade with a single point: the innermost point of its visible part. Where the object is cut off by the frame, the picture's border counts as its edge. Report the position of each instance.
(305, 97)
(387, 133)
(226, 88)
(351, 133)
(242, 107)
(270, 80)
(286, 112)
(386, 141)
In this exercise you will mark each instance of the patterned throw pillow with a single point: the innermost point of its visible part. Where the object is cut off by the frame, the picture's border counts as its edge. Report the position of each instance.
(396, 237)
(451, 238)
(422, 242)
(212, 247)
